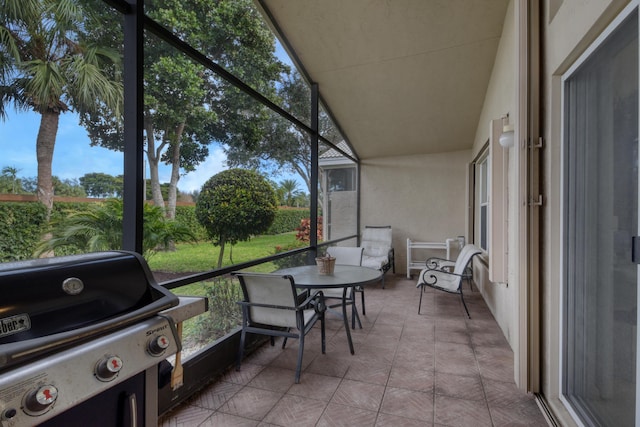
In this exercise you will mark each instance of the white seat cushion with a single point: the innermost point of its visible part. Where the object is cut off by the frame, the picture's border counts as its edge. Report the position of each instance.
(375, 262)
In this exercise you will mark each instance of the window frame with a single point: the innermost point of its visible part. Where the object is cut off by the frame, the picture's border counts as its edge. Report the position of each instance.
(482, 172)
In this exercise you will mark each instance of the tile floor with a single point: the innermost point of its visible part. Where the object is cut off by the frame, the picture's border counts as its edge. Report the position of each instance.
(438, 368)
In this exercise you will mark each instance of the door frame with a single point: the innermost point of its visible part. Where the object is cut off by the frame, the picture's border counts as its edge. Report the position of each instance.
(596, 44)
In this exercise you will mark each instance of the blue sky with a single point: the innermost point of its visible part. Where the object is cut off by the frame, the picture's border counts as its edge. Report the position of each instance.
(73, 156)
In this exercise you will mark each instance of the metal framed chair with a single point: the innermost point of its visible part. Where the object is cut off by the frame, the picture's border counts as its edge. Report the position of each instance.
(271, 307)
(436, 263)
(346, 256)
(378, 250)
(448, 280)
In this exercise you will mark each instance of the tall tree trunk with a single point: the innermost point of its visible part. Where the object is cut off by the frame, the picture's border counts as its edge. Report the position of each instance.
(304, 174)
(175, 173)
(153, 155)
(45, 143)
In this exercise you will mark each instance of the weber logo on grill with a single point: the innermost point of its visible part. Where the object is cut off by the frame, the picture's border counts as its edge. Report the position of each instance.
(14, 324)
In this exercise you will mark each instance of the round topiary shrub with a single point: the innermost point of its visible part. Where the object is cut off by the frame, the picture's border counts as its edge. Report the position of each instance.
(235, 204)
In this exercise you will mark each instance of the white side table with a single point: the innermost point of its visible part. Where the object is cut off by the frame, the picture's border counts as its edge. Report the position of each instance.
(419, 264)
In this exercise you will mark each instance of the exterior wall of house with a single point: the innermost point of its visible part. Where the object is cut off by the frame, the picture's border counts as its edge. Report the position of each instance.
(340, 214)
(419, 196)
(569, 26)
(501, 298)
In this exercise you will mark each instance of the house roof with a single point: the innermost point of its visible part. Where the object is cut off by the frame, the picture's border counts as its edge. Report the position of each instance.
(401, 77)
(333, 157)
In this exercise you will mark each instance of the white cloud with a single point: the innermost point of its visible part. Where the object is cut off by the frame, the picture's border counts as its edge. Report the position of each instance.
(212, 165)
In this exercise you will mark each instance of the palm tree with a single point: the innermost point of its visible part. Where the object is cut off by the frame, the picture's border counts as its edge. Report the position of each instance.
(47, 67)
(290, 189)
(12, 174)
(100, 229)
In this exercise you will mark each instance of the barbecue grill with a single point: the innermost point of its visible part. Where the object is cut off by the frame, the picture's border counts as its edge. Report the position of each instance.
(81, 340)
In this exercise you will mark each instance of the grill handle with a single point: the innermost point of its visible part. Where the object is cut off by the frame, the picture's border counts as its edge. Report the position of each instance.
(132, 413)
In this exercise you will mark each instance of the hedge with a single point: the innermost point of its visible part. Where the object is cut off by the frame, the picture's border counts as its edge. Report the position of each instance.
(187, 216)
(21, 227)
(22, 224)
(287, 219)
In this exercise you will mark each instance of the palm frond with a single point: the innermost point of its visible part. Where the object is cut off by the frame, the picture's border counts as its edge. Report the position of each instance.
(99, 228)
(90, 84)
(43, 85)
(20, 10)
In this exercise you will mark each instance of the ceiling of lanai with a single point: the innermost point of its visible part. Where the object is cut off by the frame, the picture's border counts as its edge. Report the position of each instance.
(402, 77)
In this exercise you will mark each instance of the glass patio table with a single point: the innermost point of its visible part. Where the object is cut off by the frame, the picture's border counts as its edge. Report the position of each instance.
(344, 276)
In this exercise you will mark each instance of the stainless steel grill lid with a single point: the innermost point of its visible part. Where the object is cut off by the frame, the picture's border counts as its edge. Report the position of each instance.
(48, 304)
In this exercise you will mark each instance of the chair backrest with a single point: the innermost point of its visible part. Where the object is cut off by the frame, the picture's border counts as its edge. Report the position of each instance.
(346, 255)
(269, 289)
(468, 252)
(376, 240)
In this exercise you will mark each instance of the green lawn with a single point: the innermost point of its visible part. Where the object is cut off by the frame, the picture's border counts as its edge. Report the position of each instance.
(199, 257)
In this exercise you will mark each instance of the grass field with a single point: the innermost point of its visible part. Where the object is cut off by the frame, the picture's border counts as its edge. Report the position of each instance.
(223, 312)
(203, 256)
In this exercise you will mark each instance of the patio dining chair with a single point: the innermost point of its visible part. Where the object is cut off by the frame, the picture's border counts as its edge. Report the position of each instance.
(448, 280)
(346, 256)
(271, 307)
(378, 251)
(436, 263)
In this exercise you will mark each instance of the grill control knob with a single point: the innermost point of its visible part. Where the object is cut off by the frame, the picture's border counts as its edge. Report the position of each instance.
(39, 401)
(157, 345)
(107, 368)
(9, 413)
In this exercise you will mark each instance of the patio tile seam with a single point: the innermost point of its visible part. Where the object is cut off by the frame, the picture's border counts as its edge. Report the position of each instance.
(204, 391)
(284, 395)
(482, 379)
(433, 404)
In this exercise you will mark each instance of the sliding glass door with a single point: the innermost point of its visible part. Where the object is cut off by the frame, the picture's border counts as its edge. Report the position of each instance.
(600, 151)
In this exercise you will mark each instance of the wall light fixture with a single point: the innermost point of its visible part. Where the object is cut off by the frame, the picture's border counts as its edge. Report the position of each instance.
(507, 136)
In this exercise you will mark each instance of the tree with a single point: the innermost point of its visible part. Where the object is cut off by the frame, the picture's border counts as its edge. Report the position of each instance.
(10, 174)
(100, 229)
(103, 185)
(283, 145)
(290, 190)
(187, 107)
(47, 66)
(68, 187)
(301, 200)
(235, 204)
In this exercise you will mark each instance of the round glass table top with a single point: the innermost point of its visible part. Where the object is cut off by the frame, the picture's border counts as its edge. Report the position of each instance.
(308, 275)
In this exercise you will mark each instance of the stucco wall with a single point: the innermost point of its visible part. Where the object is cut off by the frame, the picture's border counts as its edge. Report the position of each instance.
(500, 100)
(421, 197)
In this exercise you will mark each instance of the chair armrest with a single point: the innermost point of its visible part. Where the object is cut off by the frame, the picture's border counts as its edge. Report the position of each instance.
(318, 297)
(439, 259)
(257, 304)
(437, 270)
(434, 262)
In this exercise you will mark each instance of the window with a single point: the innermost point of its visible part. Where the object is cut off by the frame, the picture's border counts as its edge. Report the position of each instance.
(490, 202)
(482, 196)
(343, 179)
